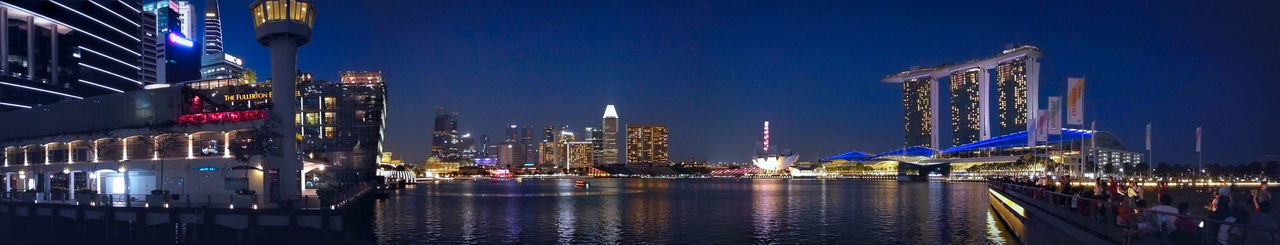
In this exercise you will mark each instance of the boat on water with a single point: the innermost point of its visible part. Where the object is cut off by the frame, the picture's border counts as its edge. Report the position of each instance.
(581, 184)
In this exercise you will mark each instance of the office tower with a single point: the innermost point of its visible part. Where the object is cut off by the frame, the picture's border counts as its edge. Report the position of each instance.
(444, 136)
(966, 110)
(338, 117)
(212, 28)
(483, 148)
(610, 127)
(647, 143)
(530, 147)
(94, 48)
(595, 136)
(149, 60)
(186, 18)
(178, 58)
(283, 32)
(578, 154)
(220, 65)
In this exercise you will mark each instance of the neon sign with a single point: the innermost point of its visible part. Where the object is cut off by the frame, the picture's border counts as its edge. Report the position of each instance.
(175, 38)
(252, 96)
(207, 169)
(218, 117)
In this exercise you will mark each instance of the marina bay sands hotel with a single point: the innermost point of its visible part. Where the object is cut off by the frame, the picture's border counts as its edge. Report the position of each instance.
(968, 84)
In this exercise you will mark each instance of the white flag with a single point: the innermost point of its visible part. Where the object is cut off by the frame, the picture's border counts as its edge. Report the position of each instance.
(1042, 126)
(1148, 136)
(1055, 115)
(1032, 131)
(1075, 101)
(1197, 139)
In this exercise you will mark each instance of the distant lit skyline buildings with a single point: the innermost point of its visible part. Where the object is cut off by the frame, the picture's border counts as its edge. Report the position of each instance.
(647, 143)
(444, 136)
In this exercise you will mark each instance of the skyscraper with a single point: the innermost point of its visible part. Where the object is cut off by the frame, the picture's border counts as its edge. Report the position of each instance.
(609, 153)
(212, 28)
(186, 17)
(444, 137)
(530, 147)
(595, 136)
(966, 111)
(178, 58)
(1018, 79)
(918, 98)
(647, 143)
(93, 48)
(1015, 93)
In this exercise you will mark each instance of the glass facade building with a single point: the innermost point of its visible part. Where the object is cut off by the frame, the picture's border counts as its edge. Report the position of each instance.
(918, 113)
(647, 143)
(966, 114)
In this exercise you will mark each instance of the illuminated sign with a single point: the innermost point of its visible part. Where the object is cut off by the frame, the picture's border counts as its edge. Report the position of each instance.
(252, 96)
(217, 117)
(175, 38)
(207, 169)
(232, 59)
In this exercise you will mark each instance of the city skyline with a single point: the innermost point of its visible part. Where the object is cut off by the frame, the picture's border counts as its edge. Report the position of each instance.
(1116, 60)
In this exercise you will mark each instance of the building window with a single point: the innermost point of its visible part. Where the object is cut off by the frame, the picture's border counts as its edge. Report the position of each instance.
(329, 117)
(330, 102)
(330, 132)
(313, 118)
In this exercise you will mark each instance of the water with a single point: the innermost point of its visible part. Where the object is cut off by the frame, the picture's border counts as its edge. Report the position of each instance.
(702, 211)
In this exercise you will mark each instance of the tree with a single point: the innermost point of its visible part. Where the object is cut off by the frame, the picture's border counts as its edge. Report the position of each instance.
(249, 75)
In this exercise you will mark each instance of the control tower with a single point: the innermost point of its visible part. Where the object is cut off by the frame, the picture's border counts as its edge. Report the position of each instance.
(283, 26)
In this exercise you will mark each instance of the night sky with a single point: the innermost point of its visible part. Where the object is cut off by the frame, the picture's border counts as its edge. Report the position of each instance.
(713, 71)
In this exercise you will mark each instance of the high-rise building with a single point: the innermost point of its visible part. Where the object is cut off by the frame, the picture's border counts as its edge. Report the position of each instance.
(919, 97)
(149, 60)
(647, 143)
(530, 147)
(212, 28)
(483, 147)
(93, 48)
(1018, 78)
(444, 137)
(609, 153)
(578, 154)
(1012, 88)
(342, 122)
(283, 32)
(595, 136)
(178, 58)
(186, 17)
(966, 110)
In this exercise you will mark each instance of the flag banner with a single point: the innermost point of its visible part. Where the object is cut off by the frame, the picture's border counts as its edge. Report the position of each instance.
(1042, 126)
(1075, 101)
(1055, 115)
(1197, 139)
(1031, 131)
(1148, 136)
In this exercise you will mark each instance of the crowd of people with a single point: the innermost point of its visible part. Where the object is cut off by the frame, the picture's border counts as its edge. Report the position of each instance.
(1242, 218)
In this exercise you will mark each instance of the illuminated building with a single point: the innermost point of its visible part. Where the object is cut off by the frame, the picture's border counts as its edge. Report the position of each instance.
(342, 122)
(212, 28)
(1018, 80)
(579, 154)
(220, 65)
(96, 52)
(609, 151)
(283, 26)
(647, 143)
(445, 138)
(595, 136)
(966, 110)
(919, 96)
(775, 162)
(178, 57)
(1015, 100)
(528, 146)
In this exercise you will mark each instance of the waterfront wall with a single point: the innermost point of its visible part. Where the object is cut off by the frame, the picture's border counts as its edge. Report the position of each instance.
(1034, 224)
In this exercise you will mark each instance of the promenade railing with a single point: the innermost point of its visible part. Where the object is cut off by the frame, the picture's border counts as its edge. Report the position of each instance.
(1151, 227)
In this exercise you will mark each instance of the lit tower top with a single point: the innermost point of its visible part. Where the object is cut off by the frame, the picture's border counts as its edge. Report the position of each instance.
(766, 137)
(283, 26)
(609, 112)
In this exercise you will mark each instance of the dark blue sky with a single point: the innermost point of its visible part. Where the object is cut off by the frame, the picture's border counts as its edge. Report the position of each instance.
(714, 70)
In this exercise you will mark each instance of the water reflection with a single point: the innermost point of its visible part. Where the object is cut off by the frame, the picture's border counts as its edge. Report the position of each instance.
(689, 210)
